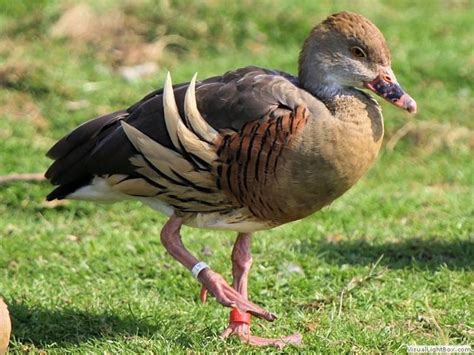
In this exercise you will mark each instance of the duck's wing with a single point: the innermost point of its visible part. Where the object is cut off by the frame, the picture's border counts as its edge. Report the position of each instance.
(196, 146)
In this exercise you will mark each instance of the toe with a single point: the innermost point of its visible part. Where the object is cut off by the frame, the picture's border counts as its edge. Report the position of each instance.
(229, 297)
(240, 329)
(278, 343)
(256, 311)
(228, 331)
(295, 339)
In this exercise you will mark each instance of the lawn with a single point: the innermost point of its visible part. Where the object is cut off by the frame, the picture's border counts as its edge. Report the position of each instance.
(387, 265)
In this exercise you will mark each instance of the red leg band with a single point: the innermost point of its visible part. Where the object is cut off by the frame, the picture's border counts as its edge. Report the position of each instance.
(238, 317)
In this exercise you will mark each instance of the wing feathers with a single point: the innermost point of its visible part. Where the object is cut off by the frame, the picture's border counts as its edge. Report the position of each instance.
(194, 117)
(177, 173)
(182, 136)
(171, 111)
(136, 187)
(160, 156)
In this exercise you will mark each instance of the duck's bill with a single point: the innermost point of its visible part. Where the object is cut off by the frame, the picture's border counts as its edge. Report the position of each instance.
(386, 87)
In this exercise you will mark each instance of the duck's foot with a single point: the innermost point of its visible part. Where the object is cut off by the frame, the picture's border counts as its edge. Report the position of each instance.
(239, 325)
(228, 296)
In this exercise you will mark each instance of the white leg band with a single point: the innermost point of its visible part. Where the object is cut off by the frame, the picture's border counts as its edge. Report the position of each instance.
(198, 268)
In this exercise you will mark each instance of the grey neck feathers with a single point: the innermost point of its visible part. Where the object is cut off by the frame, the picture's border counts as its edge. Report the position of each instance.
(315, 79)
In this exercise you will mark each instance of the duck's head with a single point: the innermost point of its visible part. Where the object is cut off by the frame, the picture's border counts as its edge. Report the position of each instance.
(347, 50)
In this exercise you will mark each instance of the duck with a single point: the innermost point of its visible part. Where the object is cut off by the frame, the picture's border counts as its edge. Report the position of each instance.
(245, 151)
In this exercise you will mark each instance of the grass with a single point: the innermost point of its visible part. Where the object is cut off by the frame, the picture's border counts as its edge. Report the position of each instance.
(388, 264)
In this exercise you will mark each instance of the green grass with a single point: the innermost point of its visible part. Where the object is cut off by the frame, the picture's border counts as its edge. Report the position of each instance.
(87, 278)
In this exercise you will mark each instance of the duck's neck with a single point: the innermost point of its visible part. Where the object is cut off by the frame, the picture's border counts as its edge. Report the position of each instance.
(325, 87)
(339, 99)
(314, 73)
(317, 74)
(322, 86)
(328, 91)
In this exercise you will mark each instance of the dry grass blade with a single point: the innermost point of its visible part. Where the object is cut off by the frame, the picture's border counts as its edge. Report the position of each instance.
(399, 134)
(28, 177)
(431, 136)
(357, 282)
(433, 321)
(349, 288)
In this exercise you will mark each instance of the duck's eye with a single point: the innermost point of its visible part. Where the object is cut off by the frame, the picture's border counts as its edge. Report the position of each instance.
(358, 52)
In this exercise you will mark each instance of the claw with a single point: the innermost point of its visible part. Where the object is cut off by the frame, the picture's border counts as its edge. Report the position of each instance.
(203, 295)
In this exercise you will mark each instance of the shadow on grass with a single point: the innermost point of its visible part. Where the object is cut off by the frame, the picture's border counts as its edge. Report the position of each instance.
(42, 327)
(408, 253)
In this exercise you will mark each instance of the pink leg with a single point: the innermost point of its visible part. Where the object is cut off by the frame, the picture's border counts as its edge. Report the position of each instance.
(241, 263)
(212, 281)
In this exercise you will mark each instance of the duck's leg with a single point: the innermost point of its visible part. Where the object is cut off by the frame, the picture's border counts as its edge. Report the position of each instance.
(212, 281)
(240, 323)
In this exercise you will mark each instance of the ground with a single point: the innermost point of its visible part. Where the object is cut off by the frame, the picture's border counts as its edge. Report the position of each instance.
(388, 264)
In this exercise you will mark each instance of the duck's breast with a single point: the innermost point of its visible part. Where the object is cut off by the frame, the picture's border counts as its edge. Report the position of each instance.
(331, 155)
